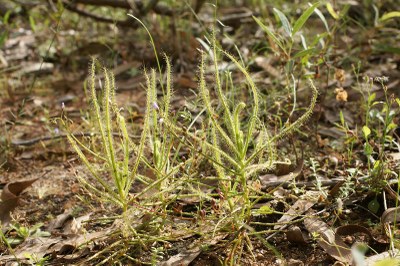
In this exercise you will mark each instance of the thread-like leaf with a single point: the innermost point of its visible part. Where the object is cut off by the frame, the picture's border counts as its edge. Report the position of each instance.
(221, 96)
(255, 106)
(300, 121)
(109, 137)
(167, 96)
(207, 102)
(95, 103)
(297, 124)
(92, 170)
(145, 129)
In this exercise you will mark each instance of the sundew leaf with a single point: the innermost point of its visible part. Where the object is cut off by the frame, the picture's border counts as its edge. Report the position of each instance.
(285, 22)
(390, 15)
(303, 18)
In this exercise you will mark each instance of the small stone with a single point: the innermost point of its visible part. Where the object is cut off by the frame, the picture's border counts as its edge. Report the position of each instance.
(293, 262)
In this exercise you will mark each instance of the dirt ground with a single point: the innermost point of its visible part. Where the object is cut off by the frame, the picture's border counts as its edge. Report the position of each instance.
(42, 79)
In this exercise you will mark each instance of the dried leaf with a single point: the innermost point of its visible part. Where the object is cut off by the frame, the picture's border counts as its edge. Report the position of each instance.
(326, 238)
(186, 81)
(40, 247)
(295, 235)
(351, 229)
(188, 255)
(391, 215)
(298, 208)
(267, 178)
(74, 226)
(10, 198)
(59, 221)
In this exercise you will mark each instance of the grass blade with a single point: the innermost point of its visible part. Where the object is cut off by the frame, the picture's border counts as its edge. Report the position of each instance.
(390, 15)
(322, 17)
(285, 22)
(270, 34)
(303, 18)
(332, 11)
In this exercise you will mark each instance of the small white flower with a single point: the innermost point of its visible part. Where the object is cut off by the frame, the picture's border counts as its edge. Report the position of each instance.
(382, 79)
(155, 106)
(100, 84)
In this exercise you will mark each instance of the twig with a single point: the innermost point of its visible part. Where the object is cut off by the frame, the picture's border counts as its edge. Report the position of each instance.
(122, 23)
(158, 8)
(29, 142)
(324, 183)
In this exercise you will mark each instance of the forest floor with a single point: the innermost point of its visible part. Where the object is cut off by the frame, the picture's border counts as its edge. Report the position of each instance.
(339, 189)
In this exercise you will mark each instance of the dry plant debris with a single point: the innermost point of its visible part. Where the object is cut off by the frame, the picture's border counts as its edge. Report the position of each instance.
(242, 163)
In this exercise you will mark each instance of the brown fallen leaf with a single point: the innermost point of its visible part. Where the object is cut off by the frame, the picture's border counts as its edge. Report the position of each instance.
(351, 229)
(289, 176)
(59, 221)
(391, 215)
(66, 224)
(295, 235)
(40, 247)
(185, 257)
(186, 81)
(327, 239)
(10, 198)
(298, 208)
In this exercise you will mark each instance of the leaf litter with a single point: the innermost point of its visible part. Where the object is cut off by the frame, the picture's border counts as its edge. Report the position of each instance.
(68, 228)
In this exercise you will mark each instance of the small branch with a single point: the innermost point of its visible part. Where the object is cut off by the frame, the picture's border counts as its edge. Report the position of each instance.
(29, 142)
(307, 184)
(158, 8)
(122, 23)
(137, 6)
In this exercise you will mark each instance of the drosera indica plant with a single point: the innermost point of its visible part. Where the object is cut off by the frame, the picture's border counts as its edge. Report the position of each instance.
(239, 146)
(122, 174)
(234, 139)
(145, 176)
